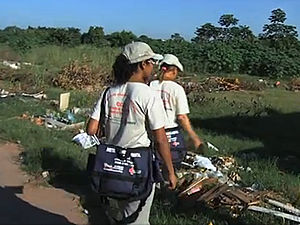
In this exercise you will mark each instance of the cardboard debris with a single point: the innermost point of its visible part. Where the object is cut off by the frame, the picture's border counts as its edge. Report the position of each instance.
(64, 101)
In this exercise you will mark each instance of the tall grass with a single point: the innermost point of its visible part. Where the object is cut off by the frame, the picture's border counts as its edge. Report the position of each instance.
(57, 57)
(48, 61)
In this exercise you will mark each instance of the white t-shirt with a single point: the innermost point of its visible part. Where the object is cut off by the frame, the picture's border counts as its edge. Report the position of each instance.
(126, 107)
(174, 100)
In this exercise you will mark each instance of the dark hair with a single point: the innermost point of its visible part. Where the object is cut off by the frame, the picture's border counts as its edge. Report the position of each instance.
(165, 68)
(123, 70)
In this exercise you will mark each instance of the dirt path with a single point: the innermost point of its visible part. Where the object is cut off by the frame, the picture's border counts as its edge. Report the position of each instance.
(23, 202)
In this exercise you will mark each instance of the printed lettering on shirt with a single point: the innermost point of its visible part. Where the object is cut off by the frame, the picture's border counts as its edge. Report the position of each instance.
(120, 107)
(166, 98)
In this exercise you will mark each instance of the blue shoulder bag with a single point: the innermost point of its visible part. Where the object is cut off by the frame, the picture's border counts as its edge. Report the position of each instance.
(121, 173)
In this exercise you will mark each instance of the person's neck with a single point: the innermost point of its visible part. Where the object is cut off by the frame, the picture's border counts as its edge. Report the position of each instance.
(169, 77)
(136, 78)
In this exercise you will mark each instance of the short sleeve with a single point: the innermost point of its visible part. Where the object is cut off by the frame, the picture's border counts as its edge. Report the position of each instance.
(182, 106)
(97, 108)
(156, 113)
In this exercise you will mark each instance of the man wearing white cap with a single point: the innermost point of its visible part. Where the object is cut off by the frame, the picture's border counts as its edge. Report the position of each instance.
(176, 107)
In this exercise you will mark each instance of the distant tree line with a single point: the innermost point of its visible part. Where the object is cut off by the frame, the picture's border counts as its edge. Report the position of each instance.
(226, 48)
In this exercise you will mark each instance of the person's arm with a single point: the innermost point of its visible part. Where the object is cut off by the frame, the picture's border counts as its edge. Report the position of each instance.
(92, 126)
(93, 122)
(164, 150)
(184, 121)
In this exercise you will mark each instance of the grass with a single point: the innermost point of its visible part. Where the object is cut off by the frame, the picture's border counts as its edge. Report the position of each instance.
(53, 150)
(259, 128)
(48, 61)
(57, 57)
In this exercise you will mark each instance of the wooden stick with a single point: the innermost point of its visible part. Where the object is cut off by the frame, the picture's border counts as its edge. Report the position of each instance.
(288, 208)
(275, 213)
(192, 185)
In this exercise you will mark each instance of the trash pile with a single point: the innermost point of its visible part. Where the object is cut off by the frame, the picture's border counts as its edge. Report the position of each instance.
(81, 76)
(294, 85)
(62, 121)
(40, 95)
(214, 182)
(11, 64)
(14, 65)
(5, 94)
(65, 119)
(222, 84)
(215, 84)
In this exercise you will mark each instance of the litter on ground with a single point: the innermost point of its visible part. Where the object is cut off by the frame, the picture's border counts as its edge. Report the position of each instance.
(215, 182)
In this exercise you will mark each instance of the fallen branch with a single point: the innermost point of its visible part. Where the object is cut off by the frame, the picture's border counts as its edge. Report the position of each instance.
(288, 208)
(275, 213)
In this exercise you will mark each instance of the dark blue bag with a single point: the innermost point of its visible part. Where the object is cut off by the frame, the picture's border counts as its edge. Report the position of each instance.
(177, 145)
(123, 173)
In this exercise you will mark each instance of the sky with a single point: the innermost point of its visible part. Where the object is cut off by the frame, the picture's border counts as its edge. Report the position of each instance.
(154, 18)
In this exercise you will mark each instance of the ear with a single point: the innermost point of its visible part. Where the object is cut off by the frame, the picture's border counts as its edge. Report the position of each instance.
(143, 65)
(175, 71)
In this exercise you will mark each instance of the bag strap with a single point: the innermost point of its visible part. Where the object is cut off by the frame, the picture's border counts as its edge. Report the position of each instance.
(100, 132)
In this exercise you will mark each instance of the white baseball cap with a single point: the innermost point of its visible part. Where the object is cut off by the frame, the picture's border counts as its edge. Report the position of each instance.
(139, 51)
(172, 60)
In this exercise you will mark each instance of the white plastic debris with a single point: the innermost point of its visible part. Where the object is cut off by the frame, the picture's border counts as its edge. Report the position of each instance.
(85, 211)
(4, 94)
(211, 146)
(13, 65)
(85, 140)
(248, 169)
(204, 162)
(45, 174)
(39, 95)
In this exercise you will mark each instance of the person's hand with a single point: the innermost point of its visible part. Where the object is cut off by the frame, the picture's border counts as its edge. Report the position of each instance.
(172, 181)
(197, 142)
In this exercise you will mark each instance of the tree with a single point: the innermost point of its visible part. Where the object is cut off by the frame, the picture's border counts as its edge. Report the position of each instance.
(241, 32)
(119, 39)
(177, 37)
(278, 16)
(95, 36)
(144, 38)
(65, 37)
(228, 20)
(227, 32)
(206, 32)
(277, 32)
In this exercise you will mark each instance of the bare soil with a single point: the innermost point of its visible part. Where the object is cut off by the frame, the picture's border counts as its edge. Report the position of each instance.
(24, 201)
